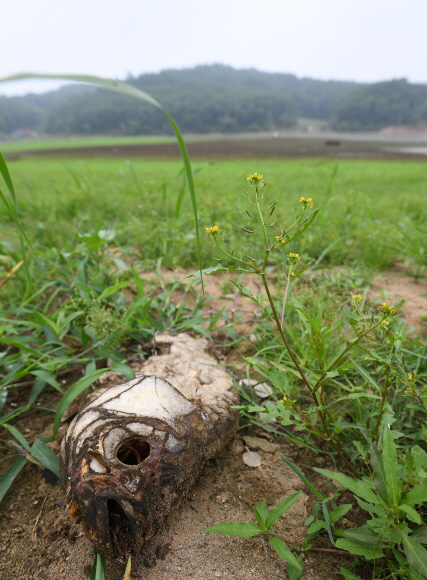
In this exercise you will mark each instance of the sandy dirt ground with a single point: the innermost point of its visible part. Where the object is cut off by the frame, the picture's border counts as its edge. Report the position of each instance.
(39, 541)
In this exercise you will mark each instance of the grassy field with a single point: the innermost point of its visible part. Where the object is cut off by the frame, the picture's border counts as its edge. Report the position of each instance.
(365, 205)
(78, 142)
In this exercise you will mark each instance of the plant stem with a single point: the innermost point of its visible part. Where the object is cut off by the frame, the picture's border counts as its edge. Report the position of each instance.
(327, 550)
(383, 400)
(284, 299)
(285, 342)
(347, 348)
(11, 273)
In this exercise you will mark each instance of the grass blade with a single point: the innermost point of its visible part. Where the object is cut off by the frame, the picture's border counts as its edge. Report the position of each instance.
(9, 476)
(78, 387)
(18, 436)
(46, 457)
(4, 171)
(302, 477)
(128, 569)
(328, 522)
(240, 529)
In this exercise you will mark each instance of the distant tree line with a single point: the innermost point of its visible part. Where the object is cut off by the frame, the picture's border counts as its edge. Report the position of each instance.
(217, 98)
(375, 106)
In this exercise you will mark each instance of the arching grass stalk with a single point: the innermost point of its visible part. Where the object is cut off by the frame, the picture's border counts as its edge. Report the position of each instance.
(124, 89)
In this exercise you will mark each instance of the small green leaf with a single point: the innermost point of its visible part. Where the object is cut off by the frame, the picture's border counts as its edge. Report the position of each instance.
(348, 575)
(310, 486)
(295, 573)
(90, 367)
(359, 488)
(359, 549)
(411, 514)
(316, 508)
(306, 225)
(379, 474)
(282, 507)
(128, 569)
(18, 436)
(46, 457)
(107, 352)
(420, 535)
(417, 495)
(278, 378)
(235, 529)
(7, 479)
(367, 376)
(372, 509)
(416, 554)
(261, 513)
(284, 552)
(391, 469)
(338, 513)
(212, 270)
(38, 387)
(124, 369)
(3, 398)
(316, 527)
(328, 522)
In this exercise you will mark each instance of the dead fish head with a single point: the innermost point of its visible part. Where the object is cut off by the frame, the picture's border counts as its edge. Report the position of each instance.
(128, 458)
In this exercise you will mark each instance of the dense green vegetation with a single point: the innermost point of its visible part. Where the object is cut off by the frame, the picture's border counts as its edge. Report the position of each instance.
(217, 98)
(374, 106)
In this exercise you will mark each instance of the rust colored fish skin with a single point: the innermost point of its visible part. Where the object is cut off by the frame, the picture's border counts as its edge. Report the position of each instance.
(132, 454)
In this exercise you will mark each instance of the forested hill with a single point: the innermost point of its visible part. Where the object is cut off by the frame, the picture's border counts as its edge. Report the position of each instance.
(217, 98)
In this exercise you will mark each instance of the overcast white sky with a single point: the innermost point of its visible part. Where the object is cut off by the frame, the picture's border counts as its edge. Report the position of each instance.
(363, 40)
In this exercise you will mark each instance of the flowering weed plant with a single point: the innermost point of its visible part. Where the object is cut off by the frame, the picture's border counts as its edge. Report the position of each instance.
(314, 395)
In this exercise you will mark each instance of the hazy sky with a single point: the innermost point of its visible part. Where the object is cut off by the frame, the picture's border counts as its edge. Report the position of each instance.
(363, 40)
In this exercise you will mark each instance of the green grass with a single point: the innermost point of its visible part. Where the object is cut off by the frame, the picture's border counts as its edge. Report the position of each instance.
(77, 142)
(359, 221)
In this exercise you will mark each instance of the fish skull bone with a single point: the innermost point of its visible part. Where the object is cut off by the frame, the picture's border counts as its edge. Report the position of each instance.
(132, 454)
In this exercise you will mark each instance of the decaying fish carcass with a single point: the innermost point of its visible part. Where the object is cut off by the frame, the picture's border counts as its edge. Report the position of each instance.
(134, 451)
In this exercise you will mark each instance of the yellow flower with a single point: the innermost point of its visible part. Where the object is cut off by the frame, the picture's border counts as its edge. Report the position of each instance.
(293, 275)
(385, 322)
(283, 401)
(387, 309)
(410, 377)
(294, 256)
(255, 178)
(357, 297)
(213, 230)
(306, 202)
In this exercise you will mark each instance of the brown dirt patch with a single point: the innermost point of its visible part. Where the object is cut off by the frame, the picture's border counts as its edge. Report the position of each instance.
(252, 146)
(397, 284)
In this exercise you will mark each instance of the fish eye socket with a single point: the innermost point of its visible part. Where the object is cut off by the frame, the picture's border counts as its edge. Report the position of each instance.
(133, 452)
